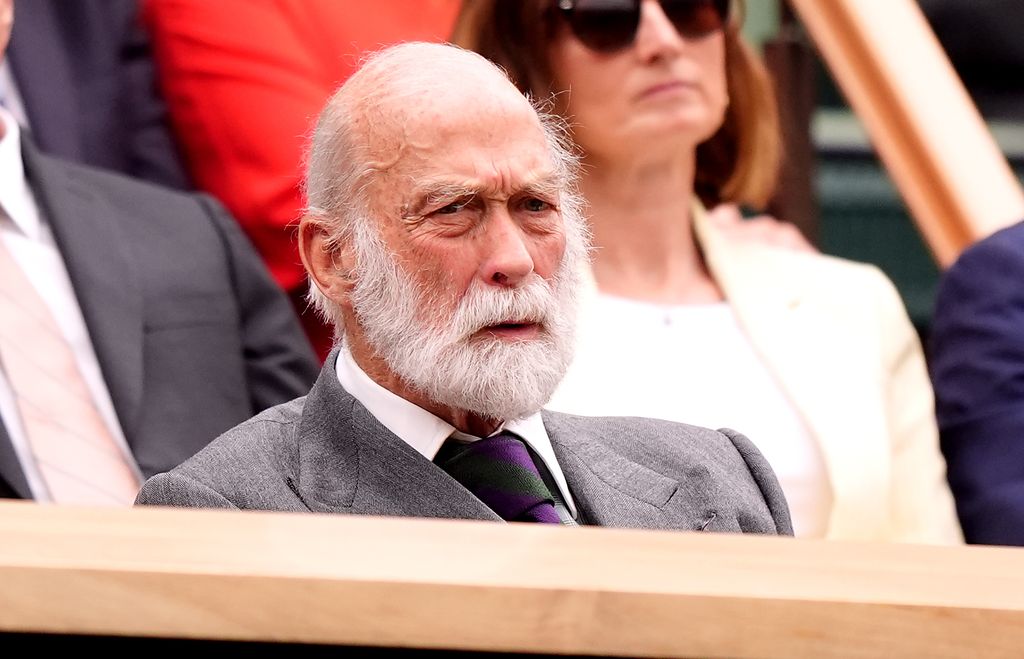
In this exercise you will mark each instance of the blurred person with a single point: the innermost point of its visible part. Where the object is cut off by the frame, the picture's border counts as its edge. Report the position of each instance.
(245, 80)
(79, 77)
(136, 324)
(689, 314)
(443, 239)
(977, 367)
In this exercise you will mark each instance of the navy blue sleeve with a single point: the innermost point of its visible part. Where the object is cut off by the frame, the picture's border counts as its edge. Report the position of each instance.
(977, 367)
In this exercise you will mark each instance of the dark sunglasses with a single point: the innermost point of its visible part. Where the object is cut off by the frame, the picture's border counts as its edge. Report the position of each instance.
(610, 25)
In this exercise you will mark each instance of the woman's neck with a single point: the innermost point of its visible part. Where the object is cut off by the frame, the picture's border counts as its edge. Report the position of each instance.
(640, 215)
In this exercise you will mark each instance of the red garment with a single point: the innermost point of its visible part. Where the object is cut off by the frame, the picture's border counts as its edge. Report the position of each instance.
(245, 80)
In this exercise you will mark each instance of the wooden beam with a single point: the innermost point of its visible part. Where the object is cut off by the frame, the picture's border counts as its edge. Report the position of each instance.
(924, 125)
(407, 583)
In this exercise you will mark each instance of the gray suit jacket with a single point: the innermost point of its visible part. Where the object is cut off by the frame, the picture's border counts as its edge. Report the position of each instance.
(326, 453)
(191, 333)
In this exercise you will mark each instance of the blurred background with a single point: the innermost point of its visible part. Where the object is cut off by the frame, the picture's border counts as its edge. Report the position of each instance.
(856, 211)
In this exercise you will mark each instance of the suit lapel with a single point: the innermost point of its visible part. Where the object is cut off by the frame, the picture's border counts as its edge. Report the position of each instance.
(103, 274)
(806, 349)
(607, 487)
(37, 55)
(350, 463)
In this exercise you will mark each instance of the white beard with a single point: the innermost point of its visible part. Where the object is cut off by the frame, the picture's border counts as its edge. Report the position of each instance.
(448, 362)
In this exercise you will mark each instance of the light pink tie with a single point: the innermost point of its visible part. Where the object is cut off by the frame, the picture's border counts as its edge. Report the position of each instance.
(76, 455)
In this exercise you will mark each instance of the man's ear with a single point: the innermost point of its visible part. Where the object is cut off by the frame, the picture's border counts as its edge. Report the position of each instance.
(330, 267)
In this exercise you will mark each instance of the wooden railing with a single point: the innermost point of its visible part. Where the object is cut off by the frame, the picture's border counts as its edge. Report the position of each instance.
(430, 584)
(930, 136)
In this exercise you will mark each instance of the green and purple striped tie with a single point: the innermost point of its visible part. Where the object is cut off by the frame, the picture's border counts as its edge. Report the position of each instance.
(500, 471)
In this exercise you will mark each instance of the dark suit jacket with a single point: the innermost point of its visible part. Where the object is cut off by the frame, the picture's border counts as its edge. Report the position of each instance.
(327, 453)
(191, 333)
(977, 366)
(85, 73)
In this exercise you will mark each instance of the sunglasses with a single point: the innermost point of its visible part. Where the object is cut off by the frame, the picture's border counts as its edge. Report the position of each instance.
(610, 25)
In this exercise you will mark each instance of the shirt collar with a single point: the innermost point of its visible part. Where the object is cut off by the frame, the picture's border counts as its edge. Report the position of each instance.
(15, 198)
(411, 423)
(426, 432)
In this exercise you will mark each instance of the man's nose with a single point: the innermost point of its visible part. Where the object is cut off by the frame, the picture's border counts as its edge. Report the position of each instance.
(509, 261)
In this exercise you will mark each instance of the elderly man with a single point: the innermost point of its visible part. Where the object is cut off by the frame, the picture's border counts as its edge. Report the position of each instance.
(443, 241)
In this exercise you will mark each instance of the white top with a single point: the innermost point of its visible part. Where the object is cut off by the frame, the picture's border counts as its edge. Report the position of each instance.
(694, 364)
(425, 432)
(27, 236)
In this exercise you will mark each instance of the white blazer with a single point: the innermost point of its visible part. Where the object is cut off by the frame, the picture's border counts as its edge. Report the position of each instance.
(837, 338)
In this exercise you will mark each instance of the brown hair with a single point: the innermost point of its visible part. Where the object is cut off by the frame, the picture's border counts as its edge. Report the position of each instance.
(739, 163)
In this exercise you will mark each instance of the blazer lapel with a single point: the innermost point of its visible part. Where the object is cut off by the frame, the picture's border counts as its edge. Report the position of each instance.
(350, 463)
(37, 54)
(806, 349)
(611, 490)
(103, 275)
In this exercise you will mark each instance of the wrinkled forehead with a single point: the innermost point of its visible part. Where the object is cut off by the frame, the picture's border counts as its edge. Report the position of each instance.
(487, 141)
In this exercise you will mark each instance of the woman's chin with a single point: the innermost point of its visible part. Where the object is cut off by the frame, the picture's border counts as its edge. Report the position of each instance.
(668, 137)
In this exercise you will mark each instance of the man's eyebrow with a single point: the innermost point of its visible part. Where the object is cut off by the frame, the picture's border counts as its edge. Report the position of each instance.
(548, 185)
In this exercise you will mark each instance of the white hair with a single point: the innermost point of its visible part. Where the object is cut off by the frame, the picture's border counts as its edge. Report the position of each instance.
(446, 360)
(338, 165)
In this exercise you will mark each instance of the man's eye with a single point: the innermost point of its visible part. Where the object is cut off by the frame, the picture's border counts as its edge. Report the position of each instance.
(452, 208)
(535, 205)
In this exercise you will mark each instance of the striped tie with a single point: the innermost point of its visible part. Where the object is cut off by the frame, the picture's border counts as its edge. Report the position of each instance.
(74, 450)
(500, 472)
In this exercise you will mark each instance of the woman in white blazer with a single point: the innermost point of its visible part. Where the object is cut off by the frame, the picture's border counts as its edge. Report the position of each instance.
(686, 317)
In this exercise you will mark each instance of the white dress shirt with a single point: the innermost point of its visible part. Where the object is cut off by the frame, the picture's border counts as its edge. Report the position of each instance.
(27, 236)
(426, 432)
